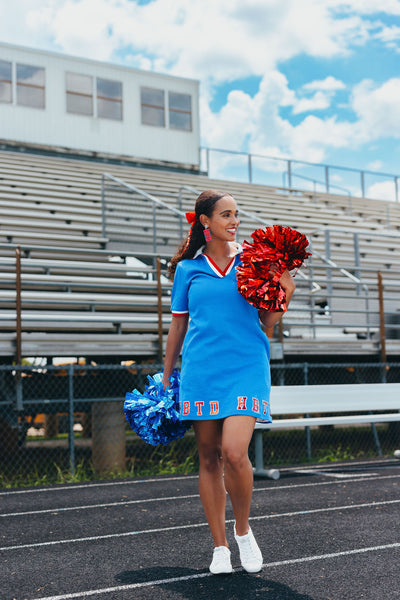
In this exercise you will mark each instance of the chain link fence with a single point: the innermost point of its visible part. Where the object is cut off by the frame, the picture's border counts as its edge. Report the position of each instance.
(66, 423)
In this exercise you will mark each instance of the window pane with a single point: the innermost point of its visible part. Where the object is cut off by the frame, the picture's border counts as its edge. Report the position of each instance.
(30, 96)
(180, 101)
(111, 90)
(180, 120)
(5, 92)
(152, 97)
(80, 84)
(109, 109)
(30, 75)
(153, 116)
(81, 105)
(5, 70)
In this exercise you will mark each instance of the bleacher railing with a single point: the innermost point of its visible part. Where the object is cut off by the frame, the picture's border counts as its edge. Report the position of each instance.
(273, 170)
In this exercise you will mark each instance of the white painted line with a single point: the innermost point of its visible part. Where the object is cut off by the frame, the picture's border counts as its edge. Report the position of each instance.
(56, 511)
(335, 475)
(90, 485)
(121, 503)
(278, 563)
(197, 525)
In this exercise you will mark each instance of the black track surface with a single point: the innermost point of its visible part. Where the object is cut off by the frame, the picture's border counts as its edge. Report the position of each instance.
(326, 533)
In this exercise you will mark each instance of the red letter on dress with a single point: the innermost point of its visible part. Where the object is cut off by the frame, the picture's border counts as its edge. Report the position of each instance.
(256, 405)
(242, 402)
(199, 408)
(186, 408)
(214, 407)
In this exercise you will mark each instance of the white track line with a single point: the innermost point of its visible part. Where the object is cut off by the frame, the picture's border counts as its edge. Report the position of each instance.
(197, 525)
(121, 503)
(334, 475)
(90, 485)
(278, 563)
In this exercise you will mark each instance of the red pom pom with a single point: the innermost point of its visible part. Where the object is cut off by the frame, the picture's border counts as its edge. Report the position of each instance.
(273, 250)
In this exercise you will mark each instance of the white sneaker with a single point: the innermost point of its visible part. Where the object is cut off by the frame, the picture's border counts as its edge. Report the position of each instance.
(250, 553)
(221, 562)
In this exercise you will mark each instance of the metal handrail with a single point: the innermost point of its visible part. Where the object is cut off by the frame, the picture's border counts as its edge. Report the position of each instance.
(156, 202)
(290, 162)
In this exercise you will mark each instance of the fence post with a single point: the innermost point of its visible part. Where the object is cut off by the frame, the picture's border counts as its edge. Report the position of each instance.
(71, 436)
(307, 429)
(18, 331)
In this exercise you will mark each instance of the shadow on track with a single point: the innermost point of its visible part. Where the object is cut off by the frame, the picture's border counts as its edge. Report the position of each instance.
(239, 586)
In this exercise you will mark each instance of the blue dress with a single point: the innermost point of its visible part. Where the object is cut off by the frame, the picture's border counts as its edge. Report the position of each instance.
(225, 356)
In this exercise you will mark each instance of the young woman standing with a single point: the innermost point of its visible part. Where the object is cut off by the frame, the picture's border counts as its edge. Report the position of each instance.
(225, 375)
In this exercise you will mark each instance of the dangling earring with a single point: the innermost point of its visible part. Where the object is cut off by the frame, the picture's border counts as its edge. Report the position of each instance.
(207, 234)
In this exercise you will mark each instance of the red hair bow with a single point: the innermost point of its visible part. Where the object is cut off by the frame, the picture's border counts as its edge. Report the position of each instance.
(190, 217)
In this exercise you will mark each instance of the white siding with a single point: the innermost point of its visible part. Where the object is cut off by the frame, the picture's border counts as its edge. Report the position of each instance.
(55, 127)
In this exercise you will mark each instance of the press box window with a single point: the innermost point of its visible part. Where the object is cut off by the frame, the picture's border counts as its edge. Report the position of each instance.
(79, 94)
(30, 86)
(109, 99)
(5, 81)
(180, 111)
(153, 107)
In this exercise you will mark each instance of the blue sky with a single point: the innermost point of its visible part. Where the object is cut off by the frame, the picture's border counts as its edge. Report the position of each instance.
(313, 80)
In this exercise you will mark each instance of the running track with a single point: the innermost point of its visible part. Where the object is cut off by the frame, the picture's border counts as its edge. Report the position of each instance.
(326, 532)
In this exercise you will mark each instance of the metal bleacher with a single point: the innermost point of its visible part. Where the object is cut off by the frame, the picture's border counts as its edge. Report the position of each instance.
(89, 241)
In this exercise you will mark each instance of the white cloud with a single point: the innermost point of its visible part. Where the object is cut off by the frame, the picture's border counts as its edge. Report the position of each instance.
(329, 84)
(377, 109)
(217, 41)
(319, 101)
(383, 190)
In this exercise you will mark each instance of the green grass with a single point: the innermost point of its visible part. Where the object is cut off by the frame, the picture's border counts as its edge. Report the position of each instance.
(48, 463)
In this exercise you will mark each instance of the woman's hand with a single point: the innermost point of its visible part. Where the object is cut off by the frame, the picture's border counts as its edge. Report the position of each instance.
(269, 318)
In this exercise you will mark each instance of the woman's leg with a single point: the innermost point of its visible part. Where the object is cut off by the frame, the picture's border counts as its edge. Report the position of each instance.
(236, 435)
(211, 482)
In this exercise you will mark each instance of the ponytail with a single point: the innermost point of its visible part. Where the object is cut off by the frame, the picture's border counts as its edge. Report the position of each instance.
(195, 238)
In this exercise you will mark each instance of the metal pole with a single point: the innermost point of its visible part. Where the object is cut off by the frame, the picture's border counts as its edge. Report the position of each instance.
(329, 270)
(396, 188)
(357, 262)
(362, 184)
(327, 179)
(250, 168)
(289, 172)
(71, 438)
(180, 217)
(307, 429)
(18, 332)
(103, 208)
(382, 331)
(208, 160)
(160, 315)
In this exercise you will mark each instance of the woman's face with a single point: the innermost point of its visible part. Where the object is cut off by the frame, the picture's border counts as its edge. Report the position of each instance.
(224, 220)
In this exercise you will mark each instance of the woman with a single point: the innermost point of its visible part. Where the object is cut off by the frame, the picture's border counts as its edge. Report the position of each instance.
(225, 375)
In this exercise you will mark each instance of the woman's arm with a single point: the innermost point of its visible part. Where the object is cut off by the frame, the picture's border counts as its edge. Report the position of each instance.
(176, 335)
(269, 318)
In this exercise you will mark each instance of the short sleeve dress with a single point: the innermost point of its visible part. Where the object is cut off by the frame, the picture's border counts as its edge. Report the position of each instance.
(225, 356)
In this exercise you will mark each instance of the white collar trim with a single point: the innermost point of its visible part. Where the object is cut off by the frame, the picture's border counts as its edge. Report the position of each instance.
(200, 250)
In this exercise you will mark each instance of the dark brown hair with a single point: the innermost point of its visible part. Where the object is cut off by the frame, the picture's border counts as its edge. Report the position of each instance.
(194, 240)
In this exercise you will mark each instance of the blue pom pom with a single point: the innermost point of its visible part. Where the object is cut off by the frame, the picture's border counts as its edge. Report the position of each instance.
(154, 415)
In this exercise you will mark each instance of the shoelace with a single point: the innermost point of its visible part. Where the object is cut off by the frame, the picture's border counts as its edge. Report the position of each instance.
(220, 557)
(247, 552)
